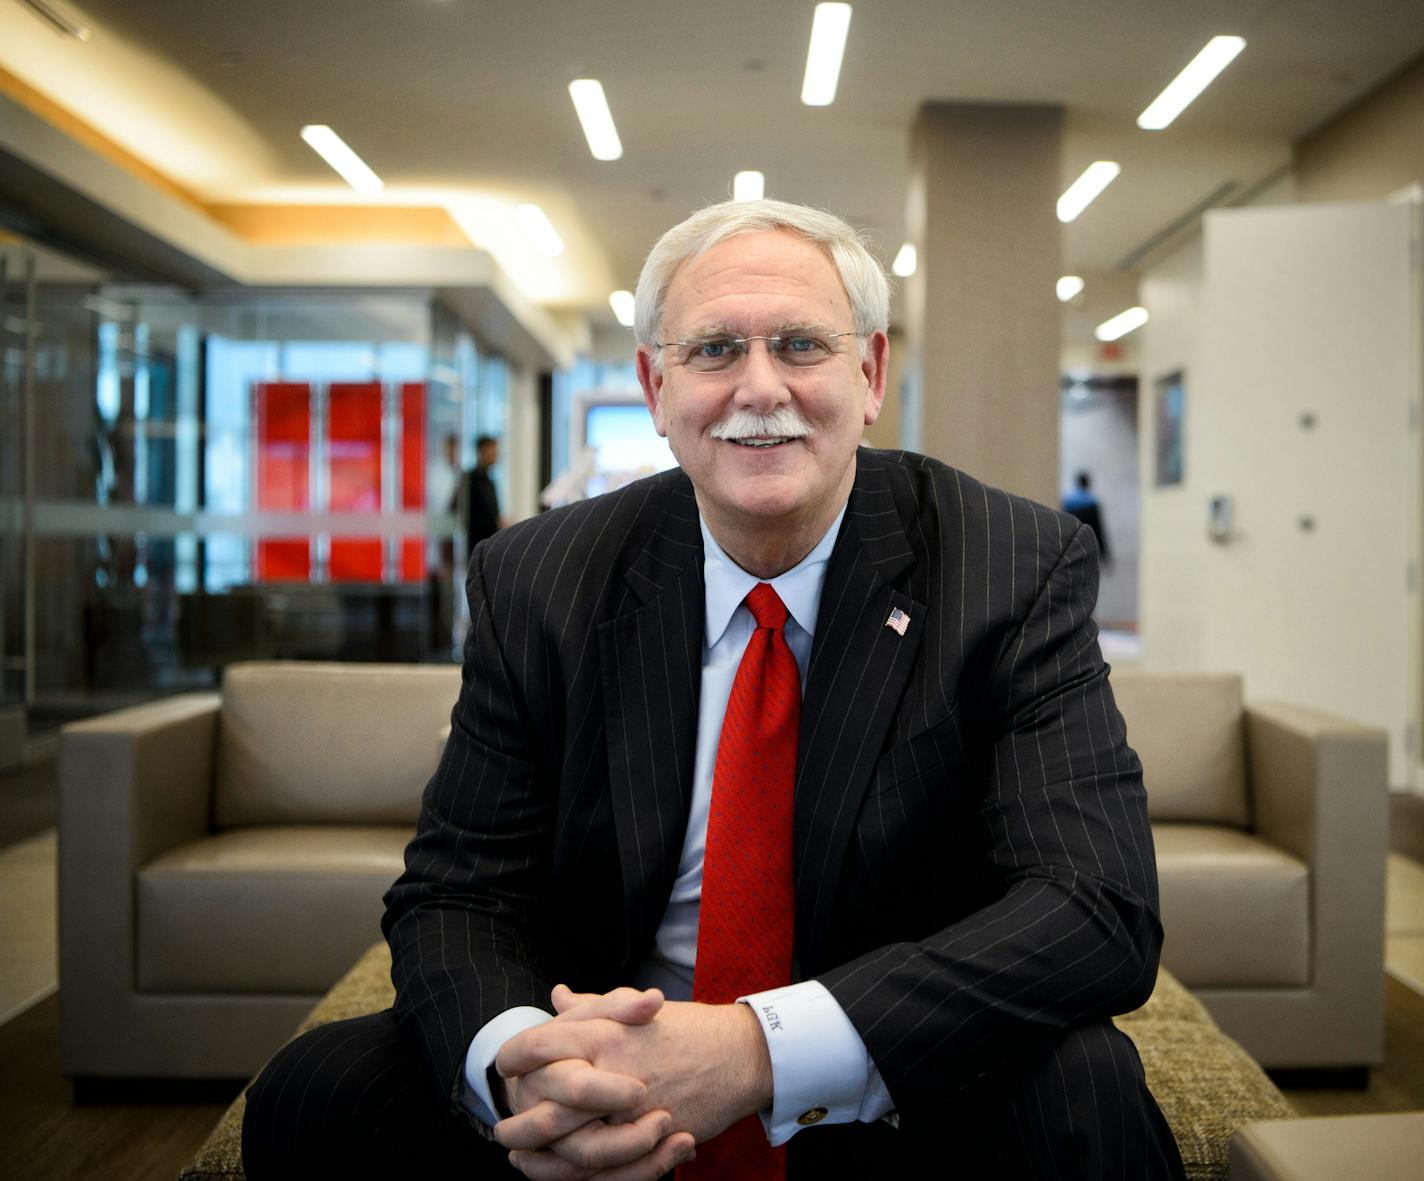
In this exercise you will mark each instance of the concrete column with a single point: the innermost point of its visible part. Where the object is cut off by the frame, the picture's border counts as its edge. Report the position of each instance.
(980, 312)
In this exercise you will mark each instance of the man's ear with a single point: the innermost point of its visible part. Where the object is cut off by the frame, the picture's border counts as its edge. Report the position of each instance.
(650, 377)
(874, 366)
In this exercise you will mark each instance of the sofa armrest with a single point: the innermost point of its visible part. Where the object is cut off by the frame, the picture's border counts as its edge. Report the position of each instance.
(1320, 790)
(131, 784)
(1319, 783)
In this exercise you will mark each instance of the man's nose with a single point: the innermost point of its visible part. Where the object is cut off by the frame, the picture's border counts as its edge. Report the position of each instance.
(761, 378)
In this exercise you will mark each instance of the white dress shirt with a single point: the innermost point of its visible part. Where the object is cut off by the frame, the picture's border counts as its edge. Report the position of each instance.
(819, 1064)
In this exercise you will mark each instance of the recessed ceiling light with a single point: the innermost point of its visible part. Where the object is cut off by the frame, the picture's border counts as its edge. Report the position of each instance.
(332, 148)
(1081, 193)
(906, 261)
(1219, 53)
(748, 186)
(540, 230)
(823, 58)
(595, 118)
(622, 304)
(1068, 287)
(1121, 324)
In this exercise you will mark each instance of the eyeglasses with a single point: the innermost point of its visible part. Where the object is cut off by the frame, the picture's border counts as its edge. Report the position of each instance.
(715, 354)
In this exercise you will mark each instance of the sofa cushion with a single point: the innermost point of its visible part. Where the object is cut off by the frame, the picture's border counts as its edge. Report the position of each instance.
(303, 743)
(267, 909)
(1187, 729)
(1235, 910)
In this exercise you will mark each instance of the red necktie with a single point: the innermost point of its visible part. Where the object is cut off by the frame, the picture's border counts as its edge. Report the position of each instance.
(745, 921)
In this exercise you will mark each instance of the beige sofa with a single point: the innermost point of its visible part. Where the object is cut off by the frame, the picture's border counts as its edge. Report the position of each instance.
(1271, 829)
(222, 858)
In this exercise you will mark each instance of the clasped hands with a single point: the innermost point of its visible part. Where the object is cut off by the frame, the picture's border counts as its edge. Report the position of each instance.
(622, 1086)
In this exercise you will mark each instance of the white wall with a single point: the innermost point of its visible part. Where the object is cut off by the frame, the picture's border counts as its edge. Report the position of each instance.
(1278, 313)
(1174, 544)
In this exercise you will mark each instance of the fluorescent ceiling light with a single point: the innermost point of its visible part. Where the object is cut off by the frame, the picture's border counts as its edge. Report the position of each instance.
(332, 148)
(61, 21)
(1218, 54)
(906, 261)
(1121, 324)
(540, 230)
(823, 59)
(622, 304)
(1068, 287)
(748, 186)
(595, 118)
(1081, 193)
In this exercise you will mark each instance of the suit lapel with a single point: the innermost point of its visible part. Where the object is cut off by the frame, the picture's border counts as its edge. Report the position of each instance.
(652, 662)
(859, 669)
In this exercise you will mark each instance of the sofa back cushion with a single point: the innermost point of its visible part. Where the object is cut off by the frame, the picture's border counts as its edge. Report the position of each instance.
(312, 743)
(1189, 732)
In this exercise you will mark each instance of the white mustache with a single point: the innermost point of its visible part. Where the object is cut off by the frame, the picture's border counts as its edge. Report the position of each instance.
(781, 423)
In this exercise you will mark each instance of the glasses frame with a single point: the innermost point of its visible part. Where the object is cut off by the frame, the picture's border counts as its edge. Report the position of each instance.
(747, 340)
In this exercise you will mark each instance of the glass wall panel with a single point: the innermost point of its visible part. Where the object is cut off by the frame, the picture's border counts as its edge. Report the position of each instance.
(610, 437)
(492, 416)
(16, 292)
(224, 477)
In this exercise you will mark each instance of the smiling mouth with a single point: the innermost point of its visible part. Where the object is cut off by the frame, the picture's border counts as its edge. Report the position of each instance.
(777, 442)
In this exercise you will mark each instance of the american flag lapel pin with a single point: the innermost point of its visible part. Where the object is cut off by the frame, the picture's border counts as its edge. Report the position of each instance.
(898, 621)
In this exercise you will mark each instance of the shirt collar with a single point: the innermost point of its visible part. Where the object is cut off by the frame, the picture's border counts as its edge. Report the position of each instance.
(727, 584)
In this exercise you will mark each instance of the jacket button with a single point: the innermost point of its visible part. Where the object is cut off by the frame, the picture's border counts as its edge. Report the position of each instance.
(814, 1116)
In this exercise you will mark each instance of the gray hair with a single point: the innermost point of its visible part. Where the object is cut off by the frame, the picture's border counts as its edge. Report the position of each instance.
(861, 275)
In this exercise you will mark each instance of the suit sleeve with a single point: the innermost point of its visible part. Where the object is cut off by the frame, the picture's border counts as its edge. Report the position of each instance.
(458, 918)
(1071, 936)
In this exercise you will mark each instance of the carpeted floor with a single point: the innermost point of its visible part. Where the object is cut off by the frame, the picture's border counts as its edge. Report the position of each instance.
(1406, 824)
(29, 802)
(29, 968)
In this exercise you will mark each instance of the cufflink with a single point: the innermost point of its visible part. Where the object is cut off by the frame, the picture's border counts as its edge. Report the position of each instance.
(814, 1116)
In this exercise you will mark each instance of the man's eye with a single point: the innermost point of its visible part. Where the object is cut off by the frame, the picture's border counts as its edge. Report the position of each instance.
(713, 349)
(803, 350)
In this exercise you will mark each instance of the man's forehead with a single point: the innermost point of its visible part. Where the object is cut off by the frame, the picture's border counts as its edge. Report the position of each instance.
(765, 326)
(773, 272)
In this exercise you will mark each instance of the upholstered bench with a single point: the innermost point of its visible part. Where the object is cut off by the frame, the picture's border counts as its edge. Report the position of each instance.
(1207, 1085)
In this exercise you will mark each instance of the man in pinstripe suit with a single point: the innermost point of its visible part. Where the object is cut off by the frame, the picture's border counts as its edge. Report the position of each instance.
(975, 891)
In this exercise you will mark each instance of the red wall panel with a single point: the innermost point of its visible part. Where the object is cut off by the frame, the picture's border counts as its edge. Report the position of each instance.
(283, 413)
(412, 564)
(354, 453)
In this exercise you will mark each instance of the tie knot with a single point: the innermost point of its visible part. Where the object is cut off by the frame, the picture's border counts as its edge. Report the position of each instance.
(766, 607)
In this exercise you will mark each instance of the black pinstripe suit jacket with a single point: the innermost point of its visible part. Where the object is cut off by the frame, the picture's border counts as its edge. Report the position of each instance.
(974, 868)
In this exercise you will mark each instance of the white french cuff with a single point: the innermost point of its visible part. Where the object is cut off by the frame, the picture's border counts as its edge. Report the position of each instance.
(484, 1048)
(821, 1071)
